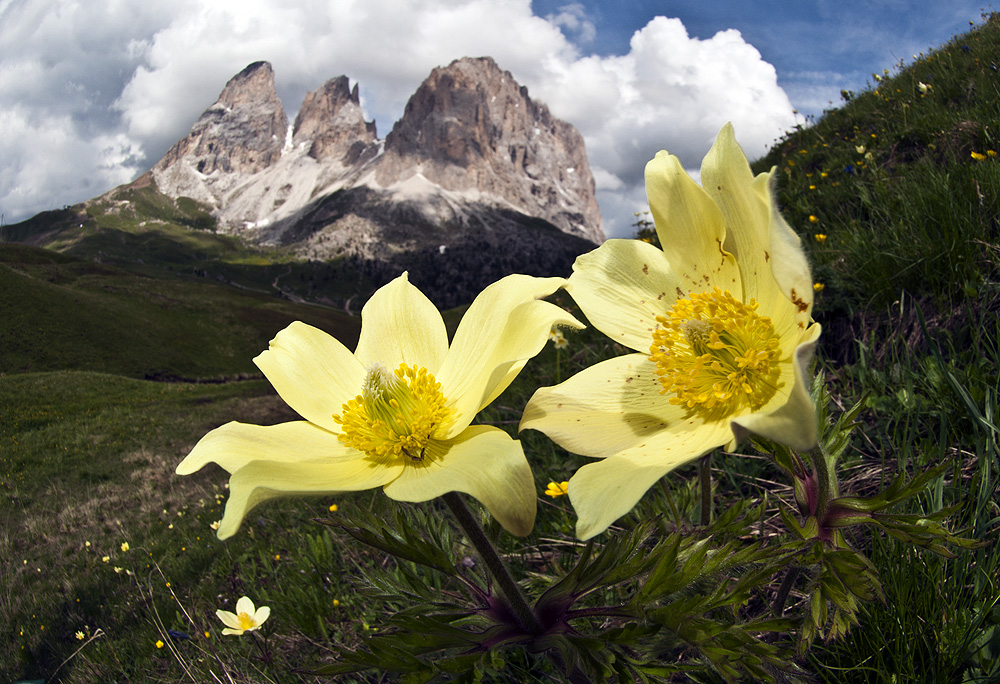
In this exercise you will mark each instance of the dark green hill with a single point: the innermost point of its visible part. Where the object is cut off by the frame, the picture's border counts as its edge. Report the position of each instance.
(60, 313)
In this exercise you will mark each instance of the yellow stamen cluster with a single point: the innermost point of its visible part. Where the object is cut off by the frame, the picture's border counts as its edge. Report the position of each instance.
(246, 621)
(715, 354)
(395, 414)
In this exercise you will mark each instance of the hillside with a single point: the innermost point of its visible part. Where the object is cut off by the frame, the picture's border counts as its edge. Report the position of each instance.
(896, 193)
(65, 313)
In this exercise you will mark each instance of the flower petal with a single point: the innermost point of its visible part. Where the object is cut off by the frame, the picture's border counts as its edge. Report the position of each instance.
(245, 605)
(263, 613)
(260, 481)
(484, 462)
(788, 262)
(622, 286)
(400, 325)
(793, 423)
(312, 372)
(234, 445)
(505, 326)
(604, 491)
(690, 228)
(229, 619)
(728, 180)
(282, 460)
(603, 409)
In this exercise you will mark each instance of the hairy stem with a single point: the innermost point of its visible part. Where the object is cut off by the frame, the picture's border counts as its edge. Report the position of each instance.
(512, 592)
(705, 478)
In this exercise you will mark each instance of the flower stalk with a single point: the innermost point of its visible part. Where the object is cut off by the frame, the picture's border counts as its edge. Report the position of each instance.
(705, 480)
(527, 620)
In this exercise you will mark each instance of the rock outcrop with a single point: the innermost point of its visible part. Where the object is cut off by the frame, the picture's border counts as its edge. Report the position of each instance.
(470, 126)
(243, 132)
(474, 170)
(331, 123)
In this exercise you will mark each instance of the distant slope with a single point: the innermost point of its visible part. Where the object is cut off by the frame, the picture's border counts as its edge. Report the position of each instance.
(897, 192)
(59, 313)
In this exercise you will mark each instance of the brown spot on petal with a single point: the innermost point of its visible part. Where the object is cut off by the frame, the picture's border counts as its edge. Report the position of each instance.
(680, 293)
(767, 257)
(800, 304)
(645, 269)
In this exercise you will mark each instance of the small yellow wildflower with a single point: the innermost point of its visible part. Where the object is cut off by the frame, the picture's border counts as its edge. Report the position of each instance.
(813, 219)
(558, 339)
(991, 153)
(245, 619)
(80, 636)
(336, 603)
(922, 87)
(333, 508)
(820, 237)
(125, 546)
(159, 643)
(860, 149)
(557, 489)
(812, 187)
(977, 156)
(818, 287)
(215, 525)
(105, 559)
(823, 174)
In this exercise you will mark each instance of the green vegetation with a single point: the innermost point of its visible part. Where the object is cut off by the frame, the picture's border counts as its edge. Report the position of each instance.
(909, 304)
(68, 314)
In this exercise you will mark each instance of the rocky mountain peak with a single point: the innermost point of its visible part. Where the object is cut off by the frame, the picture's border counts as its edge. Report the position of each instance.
(243, 132)
(470, 126)
(332, 123)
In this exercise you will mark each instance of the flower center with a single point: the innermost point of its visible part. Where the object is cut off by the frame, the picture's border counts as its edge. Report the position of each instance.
(715, 354)
(395, 414)
(246, 621)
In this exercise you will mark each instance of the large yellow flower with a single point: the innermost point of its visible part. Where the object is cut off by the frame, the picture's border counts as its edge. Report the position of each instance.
(721, 320)
(396, 413)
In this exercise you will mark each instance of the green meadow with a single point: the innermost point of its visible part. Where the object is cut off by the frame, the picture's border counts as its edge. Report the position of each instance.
(111, 370)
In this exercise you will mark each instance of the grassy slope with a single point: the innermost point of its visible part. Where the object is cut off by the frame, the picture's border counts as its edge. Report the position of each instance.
(62, 313)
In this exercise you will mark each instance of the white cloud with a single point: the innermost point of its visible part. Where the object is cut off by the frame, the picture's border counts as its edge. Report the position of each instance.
(133, 78)
(573, 19)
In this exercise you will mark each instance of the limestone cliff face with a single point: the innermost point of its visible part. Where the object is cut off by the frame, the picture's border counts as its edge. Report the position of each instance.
(472, 159)
(470, 126)
(243, 132)
(331, 123)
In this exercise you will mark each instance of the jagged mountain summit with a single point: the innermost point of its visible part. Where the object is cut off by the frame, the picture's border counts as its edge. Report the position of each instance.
(473, 163)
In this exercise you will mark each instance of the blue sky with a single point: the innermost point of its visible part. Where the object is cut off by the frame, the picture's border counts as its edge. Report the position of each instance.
(93, 93)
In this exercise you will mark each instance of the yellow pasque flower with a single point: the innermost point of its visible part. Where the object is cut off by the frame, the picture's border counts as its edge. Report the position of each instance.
(245, 619)
(557, 489)
(397, 412)
(721, 322)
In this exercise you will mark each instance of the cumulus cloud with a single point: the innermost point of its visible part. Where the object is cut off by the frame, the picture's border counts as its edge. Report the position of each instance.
(101, 90)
